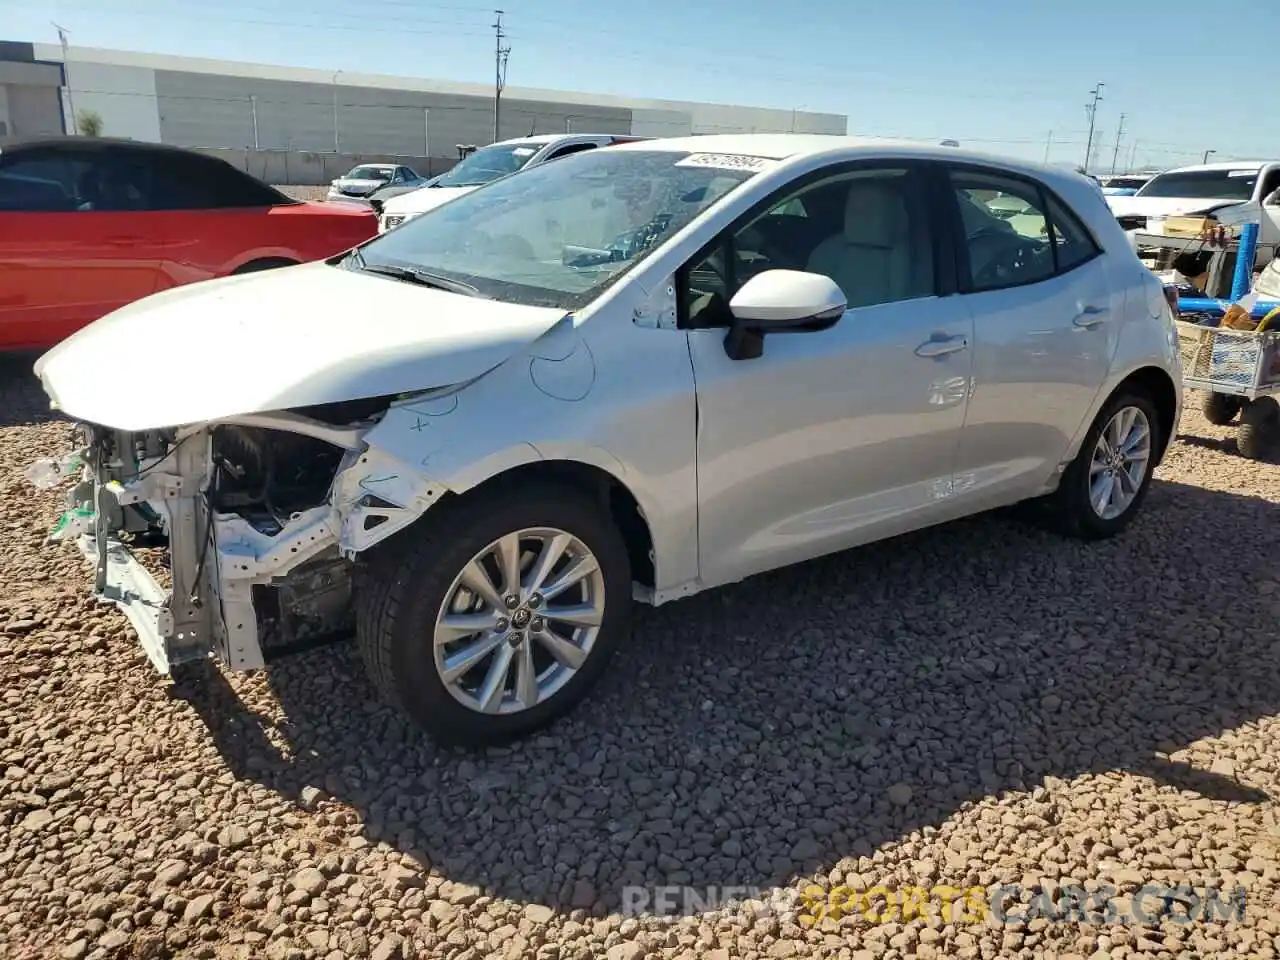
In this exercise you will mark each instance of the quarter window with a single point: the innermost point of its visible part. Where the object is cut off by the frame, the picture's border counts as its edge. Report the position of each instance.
(868, 230)
(1015, 233)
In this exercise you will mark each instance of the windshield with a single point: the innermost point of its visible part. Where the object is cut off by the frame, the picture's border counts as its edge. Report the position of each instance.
(1124, 183)
(1203, 184)
(370, 173)
(489, 164)
(560, 233)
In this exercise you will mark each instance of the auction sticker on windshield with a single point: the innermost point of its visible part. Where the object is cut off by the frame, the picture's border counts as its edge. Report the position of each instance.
(726, 161)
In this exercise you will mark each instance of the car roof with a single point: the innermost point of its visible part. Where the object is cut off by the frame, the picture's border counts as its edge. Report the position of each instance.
(95, 143)
(545, 138)
(1222, 165)
(789, 146)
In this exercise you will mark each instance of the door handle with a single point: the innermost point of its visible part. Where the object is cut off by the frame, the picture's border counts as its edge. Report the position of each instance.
(1090, 317)
(940, 348)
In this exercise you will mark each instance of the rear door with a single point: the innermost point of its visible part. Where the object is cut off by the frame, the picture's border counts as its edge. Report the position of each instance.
(74, 244)
(1046, 322)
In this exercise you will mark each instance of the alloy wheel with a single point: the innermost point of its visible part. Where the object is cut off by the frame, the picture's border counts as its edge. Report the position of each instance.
(519, 620)
(1119, 464)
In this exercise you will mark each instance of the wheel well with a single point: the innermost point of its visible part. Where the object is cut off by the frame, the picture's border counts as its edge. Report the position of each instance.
(264, 263)
(1159, 387)
(601, 487)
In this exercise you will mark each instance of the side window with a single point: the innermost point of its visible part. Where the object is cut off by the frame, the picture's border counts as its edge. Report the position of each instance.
(1006, 230)
(119, 182)
(42, 181)
(1270, 192)
(1073, 245)
(868, 230)
(187, 182)
(571, 148)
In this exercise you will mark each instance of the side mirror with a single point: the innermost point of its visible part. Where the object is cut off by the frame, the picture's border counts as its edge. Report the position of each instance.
(781, 301)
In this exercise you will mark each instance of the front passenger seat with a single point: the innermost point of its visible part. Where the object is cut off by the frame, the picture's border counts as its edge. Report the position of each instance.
(870, 259)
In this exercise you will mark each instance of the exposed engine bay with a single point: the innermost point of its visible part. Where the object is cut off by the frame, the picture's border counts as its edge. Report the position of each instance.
(261, 516)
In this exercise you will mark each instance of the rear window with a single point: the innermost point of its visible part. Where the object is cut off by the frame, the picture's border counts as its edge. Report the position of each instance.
(1203, 184)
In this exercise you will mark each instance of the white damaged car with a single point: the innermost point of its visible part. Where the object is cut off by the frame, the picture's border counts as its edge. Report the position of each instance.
(634, 374)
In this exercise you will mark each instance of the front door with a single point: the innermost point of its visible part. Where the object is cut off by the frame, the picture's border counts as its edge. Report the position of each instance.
(834, 437)
(1046, 322)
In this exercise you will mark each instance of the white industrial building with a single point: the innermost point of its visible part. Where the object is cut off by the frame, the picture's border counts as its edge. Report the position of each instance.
(252, 108)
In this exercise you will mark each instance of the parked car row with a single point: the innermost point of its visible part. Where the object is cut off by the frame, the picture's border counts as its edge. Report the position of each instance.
(636, 373)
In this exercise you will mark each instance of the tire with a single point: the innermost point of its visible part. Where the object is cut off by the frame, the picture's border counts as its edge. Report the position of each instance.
(1258, 435)
(404, 588)
(268, 263)
(1070, 508)
(1221, 408)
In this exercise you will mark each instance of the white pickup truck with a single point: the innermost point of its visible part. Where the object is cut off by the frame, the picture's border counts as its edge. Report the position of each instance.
(1234, 190)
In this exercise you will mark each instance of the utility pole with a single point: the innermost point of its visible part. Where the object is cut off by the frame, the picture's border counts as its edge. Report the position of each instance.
(337, 146)
(71, 106)
(1048, 142)
(1116, 152)
(1133, 155)
(1205, 159)
(500, 54)
(1091, 108)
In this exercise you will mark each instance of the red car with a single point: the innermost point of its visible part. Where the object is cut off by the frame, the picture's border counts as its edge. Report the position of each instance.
(88, 225)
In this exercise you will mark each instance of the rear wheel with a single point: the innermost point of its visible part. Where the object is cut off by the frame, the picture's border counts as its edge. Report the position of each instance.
(1258, 436)
(1221, 408)
(1103, 488)
(492, 624)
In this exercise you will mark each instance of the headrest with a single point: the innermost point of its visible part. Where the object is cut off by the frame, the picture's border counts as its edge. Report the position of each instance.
(874, 214)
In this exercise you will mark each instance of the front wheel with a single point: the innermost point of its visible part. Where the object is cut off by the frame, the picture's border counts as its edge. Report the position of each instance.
(1104, 486)
(492, 624)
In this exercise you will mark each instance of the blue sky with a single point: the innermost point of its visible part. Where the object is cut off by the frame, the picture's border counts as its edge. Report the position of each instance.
(997, 75)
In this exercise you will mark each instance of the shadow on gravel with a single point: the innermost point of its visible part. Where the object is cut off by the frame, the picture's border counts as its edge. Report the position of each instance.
(22, 402)
(756, 731)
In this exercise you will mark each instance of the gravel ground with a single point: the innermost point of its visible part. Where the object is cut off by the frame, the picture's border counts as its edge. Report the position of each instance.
(976, 705)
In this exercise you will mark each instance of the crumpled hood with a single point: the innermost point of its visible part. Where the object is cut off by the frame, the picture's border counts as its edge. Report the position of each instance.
(1163, 206)
(420, 201)
(284, 338)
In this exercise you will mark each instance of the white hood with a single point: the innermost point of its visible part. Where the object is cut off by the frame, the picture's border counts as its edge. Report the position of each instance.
(420, 201)
(285, 338)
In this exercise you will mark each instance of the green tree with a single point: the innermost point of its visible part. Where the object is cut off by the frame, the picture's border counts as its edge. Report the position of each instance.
(89, 123)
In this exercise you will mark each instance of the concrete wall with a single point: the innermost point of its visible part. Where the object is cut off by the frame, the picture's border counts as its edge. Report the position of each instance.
(214, 104)
(29, 103)
(303, 168)
(124, 97)
(208, 110)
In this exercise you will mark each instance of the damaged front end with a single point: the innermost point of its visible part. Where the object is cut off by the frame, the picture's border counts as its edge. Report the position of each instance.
(260, 517)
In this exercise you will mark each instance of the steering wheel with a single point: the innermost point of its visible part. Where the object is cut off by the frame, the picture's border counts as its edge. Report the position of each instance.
(1016, 254)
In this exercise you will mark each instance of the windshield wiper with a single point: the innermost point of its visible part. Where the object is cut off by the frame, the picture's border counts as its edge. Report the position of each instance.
(415, 275)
